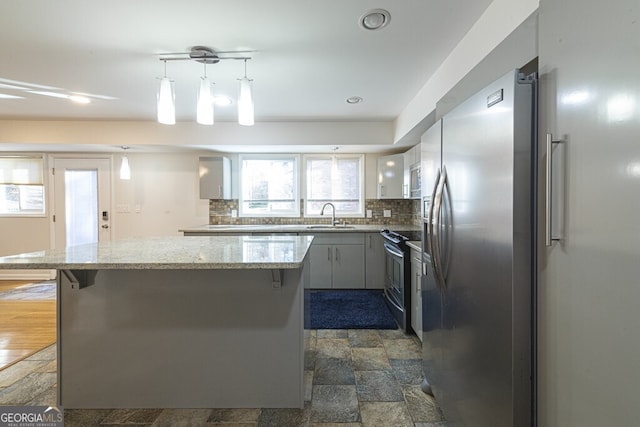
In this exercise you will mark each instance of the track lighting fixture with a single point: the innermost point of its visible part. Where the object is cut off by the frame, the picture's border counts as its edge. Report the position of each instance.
(166, 100)
(205, 101)
(204, 113)
(245, 100)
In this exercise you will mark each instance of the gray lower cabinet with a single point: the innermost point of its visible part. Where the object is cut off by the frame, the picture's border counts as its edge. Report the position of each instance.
(416, 292)
(374, 261)
(337, 261)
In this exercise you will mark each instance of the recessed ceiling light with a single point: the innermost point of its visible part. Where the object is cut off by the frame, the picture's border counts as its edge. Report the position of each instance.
(354, 100)
(375, 19)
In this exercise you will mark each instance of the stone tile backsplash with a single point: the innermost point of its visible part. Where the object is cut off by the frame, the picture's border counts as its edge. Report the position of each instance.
(403, 212)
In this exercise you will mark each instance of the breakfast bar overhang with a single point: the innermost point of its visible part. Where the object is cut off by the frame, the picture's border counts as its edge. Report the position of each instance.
(179, 322)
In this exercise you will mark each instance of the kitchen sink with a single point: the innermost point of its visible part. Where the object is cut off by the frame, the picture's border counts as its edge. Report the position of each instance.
(320, 226)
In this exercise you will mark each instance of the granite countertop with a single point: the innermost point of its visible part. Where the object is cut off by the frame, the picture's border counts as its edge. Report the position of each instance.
(296, 228)
(189, 252)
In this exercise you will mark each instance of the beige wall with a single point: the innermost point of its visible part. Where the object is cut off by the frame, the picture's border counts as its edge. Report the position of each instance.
(161, 197)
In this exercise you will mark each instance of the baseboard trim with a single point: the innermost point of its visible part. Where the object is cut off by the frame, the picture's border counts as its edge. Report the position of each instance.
(27, 274)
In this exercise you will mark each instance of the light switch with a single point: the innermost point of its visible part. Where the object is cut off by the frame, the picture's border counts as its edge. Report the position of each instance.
(234, 213)
(369, 213)
(386, 213)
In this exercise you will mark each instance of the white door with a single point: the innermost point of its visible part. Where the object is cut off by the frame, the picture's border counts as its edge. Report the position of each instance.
(81, 208)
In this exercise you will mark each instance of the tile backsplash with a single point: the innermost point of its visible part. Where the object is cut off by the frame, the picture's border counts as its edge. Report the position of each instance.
(403, 212)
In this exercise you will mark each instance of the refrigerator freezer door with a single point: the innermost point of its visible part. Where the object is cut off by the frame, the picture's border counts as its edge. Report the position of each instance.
(589, 340)
(483, 377)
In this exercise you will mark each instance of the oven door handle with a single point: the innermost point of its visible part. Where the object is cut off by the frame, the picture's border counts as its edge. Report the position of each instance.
(393, 251)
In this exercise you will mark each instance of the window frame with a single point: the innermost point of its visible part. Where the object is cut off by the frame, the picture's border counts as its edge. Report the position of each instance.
(44, 212)
(295, 212)
(361, 179)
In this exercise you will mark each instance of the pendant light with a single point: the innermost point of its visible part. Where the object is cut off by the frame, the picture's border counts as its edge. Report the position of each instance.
(245, 100)
(204, 113)
(125, 170)
(166, 100)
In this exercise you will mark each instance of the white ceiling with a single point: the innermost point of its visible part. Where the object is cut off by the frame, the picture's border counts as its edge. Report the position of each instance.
(309, 55)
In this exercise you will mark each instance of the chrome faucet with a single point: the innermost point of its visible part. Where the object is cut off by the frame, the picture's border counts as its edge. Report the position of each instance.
(333, 213)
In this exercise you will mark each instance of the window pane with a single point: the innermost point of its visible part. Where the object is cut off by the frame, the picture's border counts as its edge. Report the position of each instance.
(337, 180)
(21, 199)
(21, 186)
(269, 187)
(81, 206)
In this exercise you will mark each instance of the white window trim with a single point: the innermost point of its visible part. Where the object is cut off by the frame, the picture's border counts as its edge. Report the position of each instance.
(361, 192)
(45, 186)
(296, 195)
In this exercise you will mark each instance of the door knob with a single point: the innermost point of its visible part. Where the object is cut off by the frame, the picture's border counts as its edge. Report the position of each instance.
(105, 225)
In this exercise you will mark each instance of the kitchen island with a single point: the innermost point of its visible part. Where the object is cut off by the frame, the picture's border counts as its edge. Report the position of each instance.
(179, 322)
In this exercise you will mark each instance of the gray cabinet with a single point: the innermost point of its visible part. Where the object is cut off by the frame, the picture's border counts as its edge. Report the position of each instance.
(374, 261)
(416, 292)
(390, 176)
(337, 261)
(215, 177)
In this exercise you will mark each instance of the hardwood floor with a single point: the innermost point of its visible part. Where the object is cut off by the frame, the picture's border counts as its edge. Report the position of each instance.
(27, 319)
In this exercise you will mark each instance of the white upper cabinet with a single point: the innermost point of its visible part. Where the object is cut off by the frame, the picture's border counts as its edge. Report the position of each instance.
(390, 176)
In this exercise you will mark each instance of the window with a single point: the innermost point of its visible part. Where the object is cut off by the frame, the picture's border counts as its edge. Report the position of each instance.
(21, 185)
(337, 179)
(269, 185)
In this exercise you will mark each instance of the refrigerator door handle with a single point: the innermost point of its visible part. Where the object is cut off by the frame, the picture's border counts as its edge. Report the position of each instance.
(548, 238)
(437, 256)
(430, 221)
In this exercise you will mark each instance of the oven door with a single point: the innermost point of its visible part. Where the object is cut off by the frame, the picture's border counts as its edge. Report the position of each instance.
(394, 283)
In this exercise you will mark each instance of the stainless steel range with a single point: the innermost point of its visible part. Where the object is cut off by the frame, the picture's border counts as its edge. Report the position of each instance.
(397, 284)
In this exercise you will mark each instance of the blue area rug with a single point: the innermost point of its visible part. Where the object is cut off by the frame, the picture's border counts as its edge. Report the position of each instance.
(361, 309)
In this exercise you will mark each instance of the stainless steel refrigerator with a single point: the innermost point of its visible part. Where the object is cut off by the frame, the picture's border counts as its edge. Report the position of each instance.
(477, 284)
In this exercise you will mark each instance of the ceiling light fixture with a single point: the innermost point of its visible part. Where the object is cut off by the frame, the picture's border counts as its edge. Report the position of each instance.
(79, 99)
(125, 170)
(206, 99)
(204, 113)
(354, 100)
(166, 100)
(245, 100)
(375, 19)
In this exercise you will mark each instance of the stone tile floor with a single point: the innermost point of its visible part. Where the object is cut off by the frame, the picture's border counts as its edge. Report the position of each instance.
(364, 378)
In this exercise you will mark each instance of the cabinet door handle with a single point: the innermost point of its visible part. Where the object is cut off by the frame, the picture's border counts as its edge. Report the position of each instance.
(369, 241)
(336, 254)
(328, 254)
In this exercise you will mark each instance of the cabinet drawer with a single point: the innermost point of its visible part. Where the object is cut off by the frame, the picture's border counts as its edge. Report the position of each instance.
(338, 238)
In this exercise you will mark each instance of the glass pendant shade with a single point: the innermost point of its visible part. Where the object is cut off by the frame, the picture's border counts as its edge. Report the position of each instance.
(125, 171)
(245, 103)
(166, 102)
(205, 103)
